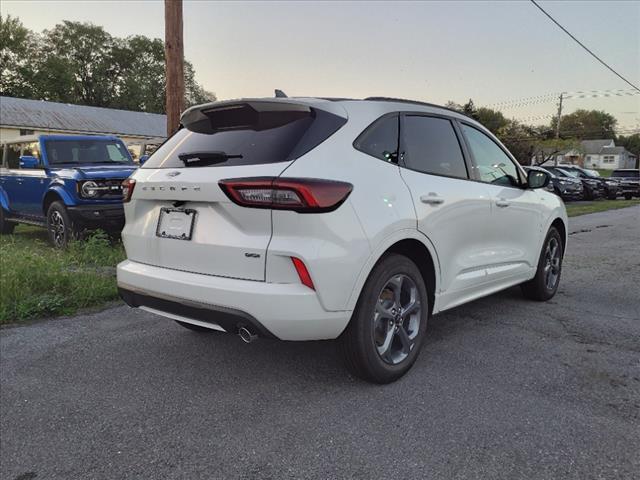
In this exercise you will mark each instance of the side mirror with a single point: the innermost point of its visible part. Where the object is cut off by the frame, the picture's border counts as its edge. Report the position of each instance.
(27, 161)
(538, 179)
(143, 159)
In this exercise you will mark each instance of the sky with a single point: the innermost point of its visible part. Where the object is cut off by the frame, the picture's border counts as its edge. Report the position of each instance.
(491, 51)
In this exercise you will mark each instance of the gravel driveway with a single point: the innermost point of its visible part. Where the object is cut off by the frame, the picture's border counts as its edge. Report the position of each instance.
(505, 388)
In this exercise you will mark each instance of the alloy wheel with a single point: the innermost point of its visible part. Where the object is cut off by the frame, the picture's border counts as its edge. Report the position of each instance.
(552, 264)
(397, 319)
(58, 230)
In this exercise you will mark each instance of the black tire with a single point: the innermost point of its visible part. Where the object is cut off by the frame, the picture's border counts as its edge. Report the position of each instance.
(195, 328)
(628, 196)
(540, 288)
(612, 196)
(588, 194)
(359, 342)
(59, 225)
(6, 227)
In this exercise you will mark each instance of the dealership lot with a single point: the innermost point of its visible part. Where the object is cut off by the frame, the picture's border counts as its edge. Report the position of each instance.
(505, 388)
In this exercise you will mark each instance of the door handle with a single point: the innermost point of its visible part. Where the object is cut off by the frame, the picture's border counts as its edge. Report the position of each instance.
(502, 203)
(432, 199)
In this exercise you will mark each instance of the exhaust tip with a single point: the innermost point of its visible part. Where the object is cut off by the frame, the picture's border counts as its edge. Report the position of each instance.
(246, 335)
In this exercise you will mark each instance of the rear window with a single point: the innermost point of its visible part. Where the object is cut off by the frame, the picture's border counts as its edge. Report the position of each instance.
(243, 136)
(626, 173)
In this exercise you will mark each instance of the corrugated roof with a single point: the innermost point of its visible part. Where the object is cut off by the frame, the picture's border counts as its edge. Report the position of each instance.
(38, 114)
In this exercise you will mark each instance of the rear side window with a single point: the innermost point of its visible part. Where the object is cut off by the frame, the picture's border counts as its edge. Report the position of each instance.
(242, 136)
(431, 146)
(13, 155)
(380, 139)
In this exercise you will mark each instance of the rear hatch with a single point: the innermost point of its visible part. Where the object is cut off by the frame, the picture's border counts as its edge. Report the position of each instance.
(180, 182)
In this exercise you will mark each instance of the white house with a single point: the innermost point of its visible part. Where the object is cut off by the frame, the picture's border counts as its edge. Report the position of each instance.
(605, 154)
(595, 154)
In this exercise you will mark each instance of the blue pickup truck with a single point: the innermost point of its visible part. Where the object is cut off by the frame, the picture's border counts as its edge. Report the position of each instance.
(66, 183)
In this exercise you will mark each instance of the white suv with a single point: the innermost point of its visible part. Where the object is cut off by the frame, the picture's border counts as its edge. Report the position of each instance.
(309, 219)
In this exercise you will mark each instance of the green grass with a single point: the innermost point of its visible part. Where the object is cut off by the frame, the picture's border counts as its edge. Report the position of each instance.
(582, 208)
(37, 280)
(604, 172)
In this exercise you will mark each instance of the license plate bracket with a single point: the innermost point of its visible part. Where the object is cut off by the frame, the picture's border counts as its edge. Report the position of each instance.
(176, 223)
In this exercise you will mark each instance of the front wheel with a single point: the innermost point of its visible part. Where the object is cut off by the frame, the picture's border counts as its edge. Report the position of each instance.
(61, 229)
(388, 326)
(628, 196)
(545, 284)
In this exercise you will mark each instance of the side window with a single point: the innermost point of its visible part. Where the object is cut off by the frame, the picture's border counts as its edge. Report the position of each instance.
(31, 149)
(431, 146)
(493, 165)
(380, 139)
(13, 155)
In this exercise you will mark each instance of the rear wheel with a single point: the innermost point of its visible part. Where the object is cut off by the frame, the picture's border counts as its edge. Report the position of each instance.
(195, 328)
(389, 324)
(628, 196)
(545, 284)
(6, 227)
(61, 229)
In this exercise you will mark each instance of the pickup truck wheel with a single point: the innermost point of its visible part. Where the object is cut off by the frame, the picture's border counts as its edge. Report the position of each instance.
(6, 227)
(388, 326)
(545, 284)
(628, 196)
(61, 229)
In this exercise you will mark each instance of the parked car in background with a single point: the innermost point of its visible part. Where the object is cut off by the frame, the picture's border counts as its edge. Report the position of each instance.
(611, 188)
(64, 183)
(629, 179)
(567, 188)
(308, 219)
(592, 188)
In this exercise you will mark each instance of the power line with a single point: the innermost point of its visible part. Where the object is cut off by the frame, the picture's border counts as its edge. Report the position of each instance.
(583, 45)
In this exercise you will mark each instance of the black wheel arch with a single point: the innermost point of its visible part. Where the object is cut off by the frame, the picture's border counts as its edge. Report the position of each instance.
(419, 254)
(49, 198)
(559, 225)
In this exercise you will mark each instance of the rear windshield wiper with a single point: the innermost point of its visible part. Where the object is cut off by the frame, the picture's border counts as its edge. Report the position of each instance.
(202, 159)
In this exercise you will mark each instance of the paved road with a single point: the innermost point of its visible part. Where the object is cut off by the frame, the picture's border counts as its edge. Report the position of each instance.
(505, 388)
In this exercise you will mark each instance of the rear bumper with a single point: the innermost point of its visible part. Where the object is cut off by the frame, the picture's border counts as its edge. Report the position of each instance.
(109, 217)
(283, 311)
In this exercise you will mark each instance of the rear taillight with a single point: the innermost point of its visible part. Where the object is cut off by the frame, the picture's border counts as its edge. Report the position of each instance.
(127, 189)
(303, 195)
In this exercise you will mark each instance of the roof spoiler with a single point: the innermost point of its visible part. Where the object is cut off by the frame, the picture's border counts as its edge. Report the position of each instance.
(242, 115)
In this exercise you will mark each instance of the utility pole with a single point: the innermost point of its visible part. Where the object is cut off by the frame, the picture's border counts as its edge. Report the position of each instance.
(558, 125)
(559, 116)
(174, 63)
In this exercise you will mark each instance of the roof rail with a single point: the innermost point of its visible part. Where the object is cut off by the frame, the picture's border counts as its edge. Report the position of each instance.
(413, 102)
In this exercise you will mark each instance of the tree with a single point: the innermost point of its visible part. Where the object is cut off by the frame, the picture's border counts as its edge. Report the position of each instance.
(547, 150)
(492, 119)
(587, 125)
(631, 143)
(194, 93)
(82, 63)
(520, 139)
(16, 43)
(142, 83)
